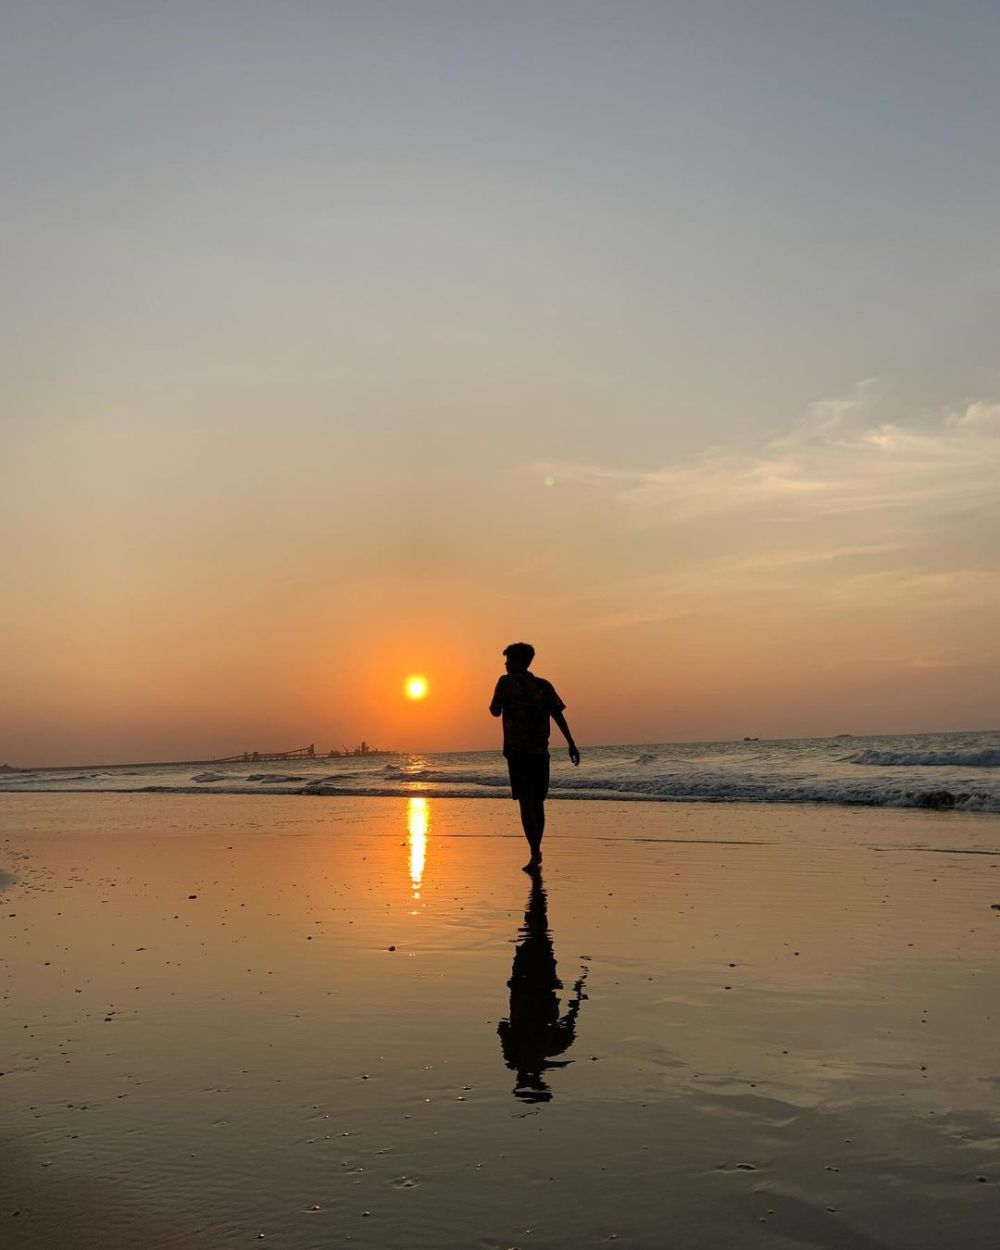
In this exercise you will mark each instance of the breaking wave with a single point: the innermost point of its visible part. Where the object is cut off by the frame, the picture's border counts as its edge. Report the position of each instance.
(276, 779)
(633, 790)
(928, 759)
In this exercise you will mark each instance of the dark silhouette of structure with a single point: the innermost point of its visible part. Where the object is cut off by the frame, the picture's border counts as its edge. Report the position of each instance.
(534, 1033)
(363, 748)
(527, 703)
(245, 757)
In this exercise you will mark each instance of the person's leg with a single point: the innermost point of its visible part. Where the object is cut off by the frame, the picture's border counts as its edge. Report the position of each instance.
(529, 824)
(539, 821)
(528, 821)
(516, 767)
(529, 779)
(540, 789)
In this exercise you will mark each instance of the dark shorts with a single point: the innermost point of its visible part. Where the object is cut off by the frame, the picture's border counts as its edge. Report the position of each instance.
(529, 776)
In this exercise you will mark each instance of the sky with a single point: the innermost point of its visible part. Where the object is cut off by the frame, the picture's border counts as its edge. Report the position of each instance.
(343, 341)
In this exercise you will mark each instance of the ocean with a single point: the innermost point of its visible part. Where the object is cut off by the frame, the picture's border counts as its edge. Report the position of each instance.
(945, 771)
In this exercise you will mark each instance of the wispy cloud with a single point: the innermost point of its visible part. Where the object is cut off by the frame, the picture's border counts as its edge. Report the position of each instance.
(840, 458)
(845, 511)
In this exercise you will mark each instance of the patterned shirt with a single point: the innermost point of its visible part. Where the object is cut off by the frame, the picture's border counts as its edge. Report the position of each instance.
(526, 702)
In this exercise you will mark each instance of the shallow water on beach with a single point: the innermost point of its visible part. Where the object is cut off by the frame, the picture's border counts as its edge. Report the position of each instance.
(359, 1021)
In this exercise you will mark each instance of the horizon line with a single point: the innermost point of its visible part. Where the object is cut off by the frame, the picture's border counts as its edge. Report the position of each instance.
(603, 746)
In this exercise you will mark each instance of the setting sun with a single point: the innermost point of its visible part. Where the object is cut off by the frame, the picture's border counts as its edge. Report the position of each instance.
(416, 687)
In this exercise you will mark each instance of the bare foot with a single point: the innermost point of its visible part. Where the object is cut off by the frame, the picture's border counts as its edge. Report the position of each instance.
(533, 865)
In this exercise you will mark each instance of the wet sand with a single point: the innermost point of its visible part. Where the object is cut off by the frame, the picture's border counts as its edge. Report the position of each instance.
(336, 1021)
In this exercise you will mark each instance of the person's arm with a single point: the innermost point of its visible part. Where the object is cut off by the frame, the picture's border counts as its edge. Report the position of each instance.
(496, 707)
(560, 720)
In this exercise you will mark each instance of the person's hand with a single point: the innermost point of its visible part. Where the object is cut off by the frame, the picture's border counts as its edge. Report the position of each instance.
(574, 754)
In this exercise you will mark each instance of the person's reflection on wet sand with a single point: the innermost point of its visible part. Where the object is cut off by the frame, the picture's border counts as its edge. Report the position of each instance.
(535, 1032)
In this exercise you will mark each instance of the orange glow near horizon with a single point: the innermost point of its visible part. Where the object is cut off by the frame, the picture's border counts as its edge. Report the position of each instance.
(416, 686)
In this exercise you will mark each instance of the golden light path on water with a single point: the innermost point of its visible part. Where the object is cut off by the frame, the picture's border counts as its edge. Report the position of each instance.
(418, 820)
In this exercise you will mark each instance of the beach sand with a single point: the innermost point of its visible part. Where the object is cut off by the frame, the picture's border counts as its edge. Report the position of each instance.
(229, 1016)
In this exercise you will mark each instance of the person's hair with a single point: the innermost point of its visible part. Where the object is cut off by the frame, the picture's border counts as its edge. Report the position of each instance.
(520, 653)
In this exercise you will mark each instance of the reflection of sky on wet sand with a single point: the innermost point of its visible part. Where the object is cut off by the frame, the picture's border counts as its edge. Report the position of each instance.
(766, 988)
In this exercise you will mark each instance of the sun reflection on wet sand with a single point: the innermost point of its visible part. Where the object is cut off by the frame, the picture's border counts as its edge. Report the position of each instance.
(418, 822)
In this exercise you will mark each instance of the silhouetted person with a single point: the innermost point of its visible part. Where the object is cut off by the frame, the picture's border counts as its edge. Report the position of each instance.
(526, 703)
(535, 1032)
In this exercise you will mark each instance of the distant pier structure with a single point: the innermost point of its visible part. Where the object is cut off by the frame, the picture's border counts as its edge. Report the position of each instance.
(302, 753)
(255, 757)
(245, 757)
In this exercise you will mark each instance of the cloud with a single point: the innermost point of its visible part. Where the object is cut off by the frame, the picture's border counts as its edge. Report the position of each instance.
(838, 459)
(845, 512)
(976, 417)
